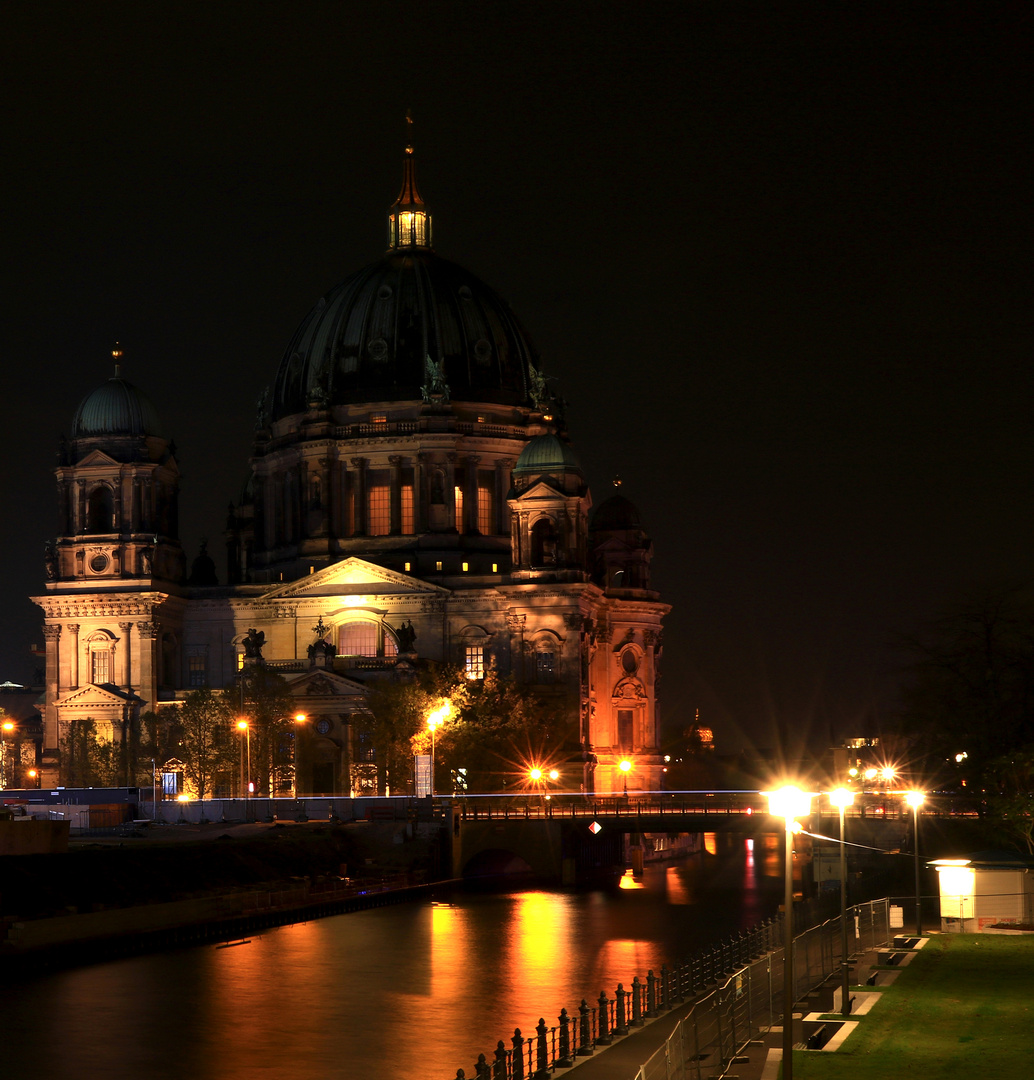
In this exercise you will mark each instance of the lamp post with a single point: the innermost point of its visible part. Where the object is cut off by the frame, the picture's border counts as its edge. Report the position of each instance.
(624, 767)
(299, 718)
(242, 725)
(8, 728)
(788, 803)
(434, 721)
(915, 799)
(842, 799)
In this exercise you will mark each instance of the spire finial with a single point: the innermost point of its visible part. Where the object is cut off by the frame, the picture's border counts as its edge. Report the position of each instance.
(616, 481)
(116, 355)
(409, 223)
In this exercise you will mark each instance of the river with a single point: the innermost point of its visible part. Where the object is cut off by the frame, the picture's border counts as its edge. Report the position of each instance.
(414, 991)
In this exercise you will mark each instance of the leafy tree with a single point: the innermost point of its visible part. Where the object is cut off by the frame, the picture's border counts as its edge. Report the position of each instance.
(269, 710)
(206, 742)
(1009, 780)
(88, 760)
(493, 733)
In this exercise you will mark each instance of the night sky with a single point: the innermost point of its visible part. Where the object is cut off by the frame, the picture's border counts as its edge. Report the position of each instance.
(775, 255)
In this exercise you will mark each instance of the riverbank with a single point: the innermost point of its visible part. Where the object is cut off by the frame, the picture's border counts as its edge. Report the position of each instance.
(184, 884)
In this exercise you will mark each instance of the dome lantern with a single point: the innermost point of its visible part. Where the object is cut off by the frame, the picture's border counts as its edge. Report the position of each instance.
(409, 221)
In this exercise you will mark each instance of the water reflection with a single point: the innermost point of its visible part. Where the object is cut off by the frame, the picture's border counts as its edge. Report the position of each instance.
(417, 990)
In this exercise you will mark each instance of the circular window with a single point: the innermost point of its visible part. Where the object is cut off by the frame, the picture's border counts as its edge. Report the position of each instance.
(99, 563)
(465, 292)
(483, 351)
(378, 349)
(629, 661)
(323, 726)
(384, 292)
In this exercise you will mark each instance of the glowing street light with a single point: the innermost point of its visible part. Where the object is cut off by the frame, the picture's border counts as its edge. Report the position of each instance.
(242, 725)
(625, 766)
(788, 803)
(435, 720)
(842, 799)
(915, 799)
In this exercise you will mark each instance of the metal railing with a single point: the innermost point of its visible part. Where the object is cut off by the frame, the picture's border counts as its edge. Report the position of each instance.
(737, 992)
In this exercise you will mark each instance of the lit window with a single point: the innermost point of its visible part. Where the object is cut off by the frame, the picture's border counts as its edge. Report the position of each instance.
(458, 496)
(378, 418)
(240, 659)
(408, 521)
(482, 419)
(358, 639)
(438, 566)
(495, 568)
(474, 662)
(197, 674)
(380, 510)
(101, 659)
(466, 567)
(409, 566)
(485, 522)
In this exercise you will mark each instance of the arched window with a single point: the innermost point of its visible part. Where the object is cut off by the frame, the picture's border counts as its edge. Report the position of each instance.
(543, 543)
(101, 646)
(363, 637)
(100, 510)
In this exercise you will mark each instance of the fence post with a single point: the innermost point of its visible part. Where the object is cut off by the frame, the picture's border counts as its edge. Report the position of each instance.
(604, 1038)
(637, 1003)
(584, 1043)
(499, 1065)
(665, 987)
(620, 1027)
(517, 1062)
(564, 1059)
(481, 1068)
(651, 993)
(541, 1059)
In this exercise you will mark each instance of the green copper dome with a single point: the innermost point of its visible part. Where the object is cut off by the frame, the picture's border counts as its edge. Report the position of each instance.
(546, 454)
(116, 408)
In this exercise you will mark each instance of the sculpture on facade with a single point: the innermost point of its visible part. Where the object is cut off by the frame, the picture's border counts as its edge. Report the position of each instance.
(253, 644)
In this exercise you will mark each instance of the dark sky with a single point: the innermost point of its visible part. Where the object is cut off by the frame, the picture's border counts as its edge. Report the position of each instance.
(776, 255)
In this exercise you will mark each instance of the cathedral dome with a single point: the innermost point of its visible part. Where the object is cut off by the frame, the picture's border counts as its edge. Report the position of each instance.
(546, 454)
(368, 340)
(116, 408)
(615, 514)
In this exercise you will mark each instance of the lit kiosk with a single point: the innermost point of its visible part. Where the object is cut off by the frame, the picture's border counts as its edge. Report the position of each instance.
(788, 803)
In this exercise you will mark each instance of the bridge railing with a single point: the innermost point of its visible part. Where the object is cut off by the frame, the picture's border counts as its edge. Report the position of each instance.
(735, 987)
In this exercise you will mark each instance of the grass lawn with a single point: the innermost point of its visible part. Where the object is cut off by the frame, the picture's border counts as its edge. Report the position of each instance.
(963, 1007)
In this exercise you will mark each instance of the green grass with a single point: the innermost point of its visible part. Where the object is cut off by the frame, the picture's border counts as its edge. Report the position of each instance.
(963, 1007)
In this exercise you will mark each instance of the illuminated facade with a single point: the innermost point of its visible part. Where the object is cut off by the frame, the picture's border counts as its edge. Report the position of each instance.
(413, 498)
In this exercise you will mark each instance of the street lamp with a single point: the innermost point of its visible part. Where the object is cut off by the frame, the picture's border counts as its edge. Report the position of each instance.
(788, 803)
(842, 799)
(242, 725)
(915, 799)
(434, 721)
(624, 767)
(8, 726)
(299, 718)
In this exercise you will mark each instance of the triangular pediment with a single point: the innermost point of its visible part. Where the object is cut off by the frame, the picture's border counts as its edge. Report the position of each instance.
(97, 457)
(355, 577)
(322, 683)
(540, 489)
(94, 696)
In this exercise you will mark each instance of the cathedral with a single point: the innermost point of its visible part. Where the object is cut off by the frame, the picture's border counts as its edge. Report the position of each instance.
(413, 498)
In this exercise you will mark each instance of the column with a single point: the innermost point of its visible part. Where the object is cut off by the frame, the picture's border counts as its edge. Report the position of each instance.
(502, 488)
(127, 659)
(148, 635)
(450, 500)
(420, 493)
(470, 500)
(52, 637)
(395, 526)
(73, 656)
(327, 499)
(360, 507)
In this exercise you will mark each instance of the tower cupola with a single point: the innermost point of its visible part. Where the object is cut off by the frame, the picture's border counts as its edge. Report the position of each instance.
(409, 221)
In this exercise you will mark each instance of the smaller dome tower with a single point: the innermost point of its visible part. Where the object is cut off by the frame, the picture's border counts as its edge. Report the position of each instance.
(549, 512)
(620, 549)
(118, 490)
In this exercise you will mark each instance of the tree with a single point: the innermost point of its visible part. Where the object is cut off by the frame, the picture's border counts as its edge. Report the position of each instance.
(971, 691)
(1009, 780)
(206, 742)
(493, 733)
(269, 710)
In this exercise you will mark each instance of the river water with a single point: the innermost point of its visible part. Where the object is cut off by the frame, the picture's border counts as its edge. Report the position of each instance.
(413, 992)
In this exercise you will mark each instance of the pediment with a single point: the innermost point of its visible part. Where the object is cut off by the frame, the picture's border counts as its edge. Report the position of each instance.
(540, 489)
(97, 457)
(96, 696)
(355, 577)
(319, 682)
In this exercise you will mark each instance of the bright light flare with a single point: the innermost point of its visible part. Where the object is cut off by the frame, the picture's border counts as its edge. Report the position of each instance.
(915, 799)
(788, 802)
(841, 797)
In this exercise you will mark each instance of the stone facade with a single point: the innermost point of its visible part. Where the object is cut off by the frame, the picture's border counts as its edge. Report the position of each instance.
(413, 499)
